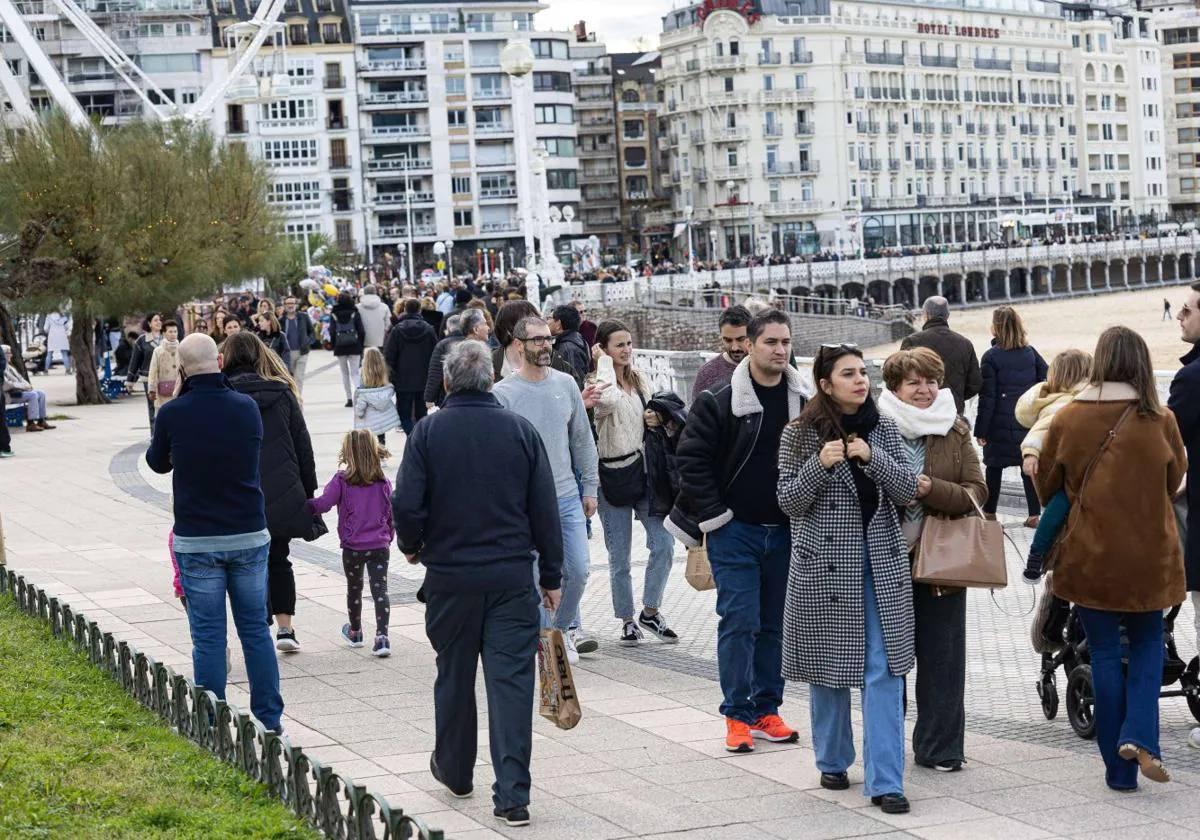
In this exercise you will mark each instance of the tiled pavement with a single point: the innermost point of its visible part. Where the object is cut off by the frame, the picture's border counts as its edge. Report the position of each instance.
(84, 518)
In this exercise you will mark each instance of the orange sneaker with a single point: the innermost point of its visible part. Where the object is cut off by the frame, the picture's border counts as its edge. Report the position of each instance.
(737, 736)
(772, 728)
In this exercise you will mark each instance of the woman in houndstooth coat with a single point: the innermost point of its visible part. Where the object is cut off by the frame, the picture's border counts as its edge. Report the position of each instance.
(848, 618)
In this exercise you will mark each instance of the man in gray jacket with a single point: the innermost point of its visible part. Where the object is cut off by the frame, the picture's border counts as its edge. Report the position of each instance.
(550, 400)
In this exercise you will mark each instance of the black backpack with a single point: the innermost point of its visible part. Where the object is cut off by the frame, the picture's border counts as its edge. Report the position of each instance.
(345, 336)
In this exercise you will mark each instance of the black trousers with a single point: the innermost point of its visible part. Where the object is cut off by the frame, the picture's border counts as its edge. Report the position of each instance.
(993, 476)
(411, 407)
(502, 628)
(281, 581)
(5, 437)
(941, 639)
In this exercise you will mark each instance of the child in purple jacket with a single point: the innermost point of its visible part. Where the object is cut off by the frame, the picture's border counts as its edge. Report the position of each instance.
(364, 501)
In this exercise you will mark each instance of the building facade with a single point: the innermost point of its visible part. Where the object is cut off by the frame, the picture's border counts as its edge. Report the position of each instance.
(297, 110)
(439, 128)
(635, 81)
(1177, 25)
(799, 125)
(595, 119)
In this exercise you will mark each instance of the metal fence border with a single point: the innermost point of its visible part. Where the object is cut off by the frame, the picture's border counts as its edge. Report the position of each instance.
(330, 802)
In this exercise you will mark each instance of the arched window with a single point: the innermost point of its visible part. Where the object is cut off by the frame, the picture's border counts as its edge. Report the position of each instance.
(631, 96)
(1089, 72)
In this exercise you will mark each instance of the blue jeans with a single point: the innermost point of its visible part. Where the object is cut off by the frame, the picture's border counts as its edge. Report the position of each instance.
(575, 562)
(883, 712)
(750, 567)
(1126, 704)
(618, 538)
(206, 579)
(1054, 516)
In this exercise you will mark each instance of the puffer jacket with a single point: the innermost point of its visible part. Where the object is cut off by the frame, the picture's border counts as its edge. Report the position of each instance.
(1036, 408)
(287, 470)
(1007, 374)
(375, 409)
(376, 318)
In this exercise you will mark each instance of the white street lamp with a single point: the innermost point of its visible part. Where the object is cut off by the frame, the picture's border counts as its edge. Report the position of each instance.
(516, 60)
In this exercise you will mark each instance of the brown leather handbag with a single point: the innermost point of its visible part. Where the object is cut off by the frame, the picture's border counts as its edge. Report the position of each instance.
(967, 551)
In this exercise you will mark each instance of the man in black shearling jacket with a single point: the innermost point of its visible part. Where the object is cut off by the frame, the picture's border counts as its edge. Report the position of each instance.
(728, 469)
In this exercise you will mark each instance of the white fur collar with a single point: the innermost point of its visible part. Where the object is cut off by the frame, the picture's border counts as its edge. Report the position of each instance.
(915, 422)
(1108, 392)
(744, 402)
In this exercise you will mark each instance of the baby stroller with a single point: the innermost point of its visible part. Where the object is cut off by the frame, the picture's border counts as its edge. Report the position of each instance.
(1063, 644)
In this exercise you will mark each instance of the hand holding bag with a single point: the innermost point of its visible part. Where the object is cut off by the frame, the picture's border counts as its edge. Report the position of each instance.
(966, 552)
(557, 700)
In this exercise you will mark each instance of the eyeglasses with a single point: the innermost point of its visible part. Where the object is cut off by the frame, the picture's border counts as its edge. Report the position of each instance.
(537, 339)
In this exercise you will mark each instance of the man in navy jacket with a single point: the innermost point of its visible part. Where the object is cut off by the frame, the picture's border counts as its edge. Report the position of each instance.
(1185, 403)
(209, 437)
(474, 500)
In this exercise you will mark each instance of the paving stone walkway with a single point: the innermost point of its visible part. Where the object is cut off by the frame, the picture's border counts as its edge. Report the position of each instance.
(86, 519)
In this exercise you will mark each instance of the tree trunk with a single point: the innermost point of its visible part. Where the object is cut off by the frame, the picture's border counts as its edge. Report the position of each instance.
(10, 336)
(83, 355)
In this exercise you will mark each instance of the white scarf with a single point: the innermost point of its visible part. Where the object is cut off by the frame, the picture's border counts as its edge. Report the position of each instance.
(915, 422)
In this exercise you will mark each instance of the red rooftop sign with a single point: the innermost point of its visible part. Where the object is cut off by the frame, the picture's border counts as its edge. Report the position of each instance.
(959, 31)
(745, 8)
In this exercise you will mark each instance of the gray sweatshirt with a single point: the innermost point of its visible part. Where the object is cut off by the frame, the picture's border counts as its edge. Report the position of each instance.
(556, 410)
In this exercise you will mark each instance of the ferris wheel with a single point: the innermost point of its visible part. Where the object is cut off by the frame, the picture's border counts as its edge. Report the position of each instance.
(246, 80)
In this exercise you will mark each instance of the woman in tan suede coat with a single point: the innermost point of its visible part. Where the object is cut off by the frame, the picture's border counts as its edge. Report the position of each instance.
(1119, 558)
(938, 445)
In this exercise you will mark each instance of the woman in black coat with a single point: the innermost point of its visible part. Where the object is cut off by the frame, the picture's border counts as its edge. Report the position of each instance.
(288, 471)
(347, 335)
(1010, 368)
(143, 352)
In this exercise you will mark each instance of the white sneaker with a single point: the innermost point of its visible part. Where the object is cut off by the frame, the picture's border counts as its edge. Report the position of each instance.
(569, 644)
(583, 642)
(1194, 738)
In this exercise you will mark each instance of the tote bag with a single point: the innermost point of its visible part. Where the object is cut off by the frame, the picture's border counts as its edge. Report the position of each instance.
(965, 552)
(557, 701)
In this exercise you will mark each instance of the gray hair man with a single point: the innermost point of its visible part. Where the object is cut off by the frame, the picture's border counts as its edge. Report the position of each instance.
(477, 554)
(471, 324)
(963, 376)
(550, 400)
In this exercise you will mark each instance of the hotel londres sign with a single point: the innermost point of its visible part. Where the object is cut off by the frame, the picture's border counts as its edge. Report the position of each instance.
(957, 31)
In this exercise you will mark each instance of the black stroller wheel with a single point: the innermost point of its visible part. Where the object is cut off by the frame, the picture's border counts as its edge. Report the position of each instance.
(1048, 693)
(1081, 702)
(1190, 681)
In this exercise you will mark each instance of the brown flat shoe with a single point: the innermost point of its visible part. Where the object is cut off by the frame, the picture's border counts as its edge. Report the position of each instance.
(33, 427)
(44, 425)
(1152, 768)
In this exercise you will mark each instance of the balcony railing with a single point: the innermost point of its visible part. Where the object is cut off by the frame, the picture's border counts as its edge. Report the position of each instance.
(390, 164)
(791, 167)
(939, 61)
(484, 164)
(800, 57)
(337, 123)
(397, 64)
(401, 231)
(993, 64)
(396, 198)
(765, 59)
(395, 96)
(1043, 67)
(343, 200)
(500, 227)
(493, 128)
(339, 162)
(884, 58)
(491, 93)
(868, 127)
(399, 130)
(334, 82)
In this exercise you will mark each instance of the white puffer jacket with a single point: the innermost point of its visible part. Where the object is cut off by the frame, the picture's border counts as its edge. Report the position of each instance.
(375, 409)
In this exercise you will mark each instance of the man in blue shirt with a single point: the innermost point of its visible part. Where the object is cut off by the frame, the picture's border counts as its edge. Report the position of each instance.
(221, 536)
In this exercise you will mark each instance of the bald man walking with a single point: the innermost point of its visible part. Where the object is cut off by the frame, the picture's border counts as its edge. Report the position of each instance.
(221, 536)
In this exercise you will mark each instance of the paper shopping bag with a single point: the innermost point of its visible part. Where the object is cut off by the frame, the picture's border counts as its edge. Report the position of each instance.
(558, 703)
(698, 572)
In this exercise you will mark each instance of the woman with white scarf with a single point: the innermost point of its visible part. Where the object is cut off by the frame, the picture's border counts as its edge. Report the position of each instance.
(940, 450)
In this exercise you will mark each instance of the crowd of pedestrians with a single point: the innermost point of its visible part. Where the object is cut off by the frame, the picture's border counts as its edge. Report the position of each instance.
(808, 494)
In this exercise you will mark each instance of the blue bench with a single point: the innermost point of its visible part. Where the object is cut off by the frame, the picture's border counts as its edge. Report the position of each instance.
(14, 415)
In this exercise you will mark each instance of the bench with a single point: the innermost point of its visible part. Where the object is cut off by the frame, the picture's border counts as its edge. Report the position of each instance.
(14, 415)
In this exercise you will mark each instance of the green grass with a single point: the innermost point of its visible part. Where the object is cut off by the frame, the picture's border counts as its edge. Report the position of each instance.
(81, 759)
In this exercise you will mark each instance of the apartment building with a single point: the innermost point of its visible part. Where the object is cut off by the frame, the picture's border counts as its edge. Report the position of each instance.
(297, 110)
(635, 82)
(1177, 26)
(595, 120)
(437, 121)
(795, 125)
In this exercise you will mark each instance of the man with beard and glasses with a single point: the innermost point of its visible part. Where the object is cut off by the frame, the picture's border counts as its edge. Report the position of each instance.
(550, 400)
(717, 372)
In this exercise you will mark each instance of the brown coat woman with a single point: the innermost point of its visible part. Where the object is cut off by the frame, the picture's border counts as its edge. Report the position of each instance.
(1120, 457)
(938, 445)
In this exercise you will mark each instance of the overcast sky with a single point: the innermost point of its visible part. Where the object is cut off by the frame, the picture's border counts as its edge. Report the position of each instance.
(616, 22)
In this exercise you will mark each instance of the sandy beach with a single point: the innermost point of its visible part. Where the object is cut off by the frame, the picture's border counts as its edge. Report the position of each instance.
(1058, 325)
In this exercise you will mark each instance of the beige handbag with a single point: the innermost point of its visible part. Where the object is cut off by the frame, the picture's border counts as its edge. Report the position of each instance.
(698, 572)
(967, 552)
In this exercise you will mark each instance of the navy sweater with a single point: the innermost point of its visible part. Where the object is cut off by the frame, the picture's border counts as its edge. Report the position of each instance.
(210, 435)
(475, 498)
